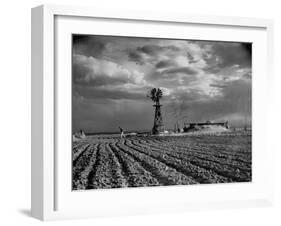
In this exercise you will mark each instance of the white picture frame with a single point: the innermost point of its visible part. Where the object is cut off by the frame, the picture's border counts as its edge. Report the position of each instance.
(50, 201)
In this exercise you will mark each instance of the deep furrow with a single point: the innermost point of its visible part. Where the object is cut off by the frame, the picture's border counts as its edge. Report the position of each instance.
(79, 153)
(192, 149)
(201, 143)
(164, 174)
(197, 173)
(76, 145)
(197, 156)
(83, 167)
(97, 170)
(92, 173)
(132, 170)
(235, 174)
(226, 149)
(106, 173)
(200, 174)
(117, 168)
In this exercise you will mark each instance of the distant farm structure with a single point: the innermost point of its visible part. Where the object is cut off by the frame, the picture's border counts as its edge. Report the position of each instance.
(194, 125)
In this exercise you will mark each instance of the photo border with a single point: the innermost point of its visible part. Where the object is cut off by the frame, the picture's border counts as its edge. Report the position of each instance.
(139, 37)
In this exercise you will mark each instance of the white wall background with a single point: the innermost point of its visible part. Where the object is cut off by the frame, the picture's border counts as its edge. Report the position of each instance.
(15, 112)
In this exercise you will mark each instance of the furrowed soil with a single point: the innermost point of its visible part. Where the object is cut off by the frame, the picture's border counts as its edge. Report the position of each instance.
(138, 161)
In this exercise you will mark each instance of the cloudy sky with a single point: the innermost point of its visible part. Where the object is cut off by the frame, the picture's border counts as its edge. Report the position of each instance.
(201, 81)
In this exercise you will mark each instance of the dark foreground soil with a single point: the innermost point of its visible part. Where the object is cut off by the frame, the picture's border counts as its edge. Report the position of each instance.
(112, 162)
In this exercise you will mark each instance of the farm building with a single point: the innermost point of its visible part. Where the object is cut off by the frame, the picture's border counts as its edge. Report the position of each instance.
(197, 125)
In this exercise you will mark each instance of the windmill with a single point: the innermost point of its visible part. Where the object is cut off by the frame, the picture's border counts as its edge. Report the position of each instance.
(155, 95)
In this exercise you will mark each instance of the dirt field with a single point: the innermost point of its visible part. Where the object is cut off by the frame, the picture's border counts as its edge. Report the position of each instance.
(111, 162)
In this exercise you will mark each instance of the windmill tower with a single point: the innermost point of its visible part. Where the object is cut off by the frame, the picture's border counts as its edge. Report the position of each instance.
(155, 95)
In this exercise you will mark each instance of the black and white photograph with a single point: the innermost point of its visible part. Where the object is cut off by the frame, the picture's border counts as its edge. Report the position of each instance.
(158, 112)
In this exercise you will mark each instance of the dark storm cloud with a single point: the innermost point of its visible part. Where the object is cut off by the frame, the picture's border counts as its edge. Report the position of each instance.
(136, 57)
(191, 58)
(80, 39)
(218, 85)
(165, 63)
(154, 50)
(224, 55)
(186, 96)
(84, 75)
(172, 77)
(88, 45)
(171, 82)
(101, 93)
(89, 71)
(184, 70)
(235, 54)
(248, 75)
(149, 53)
(102, 80)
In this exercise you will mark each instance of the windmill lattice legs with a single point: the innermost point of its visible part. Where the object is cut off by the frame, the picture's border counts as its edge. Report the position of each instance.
(158, 126)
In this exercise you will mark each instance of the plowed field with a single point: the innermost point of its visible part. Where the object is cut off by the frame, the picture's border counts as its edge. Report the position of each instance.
(112, 162)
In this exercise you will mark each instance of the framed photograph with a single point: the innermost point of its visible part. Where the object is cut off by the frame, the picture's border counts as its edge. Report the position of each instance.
(136, 112)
